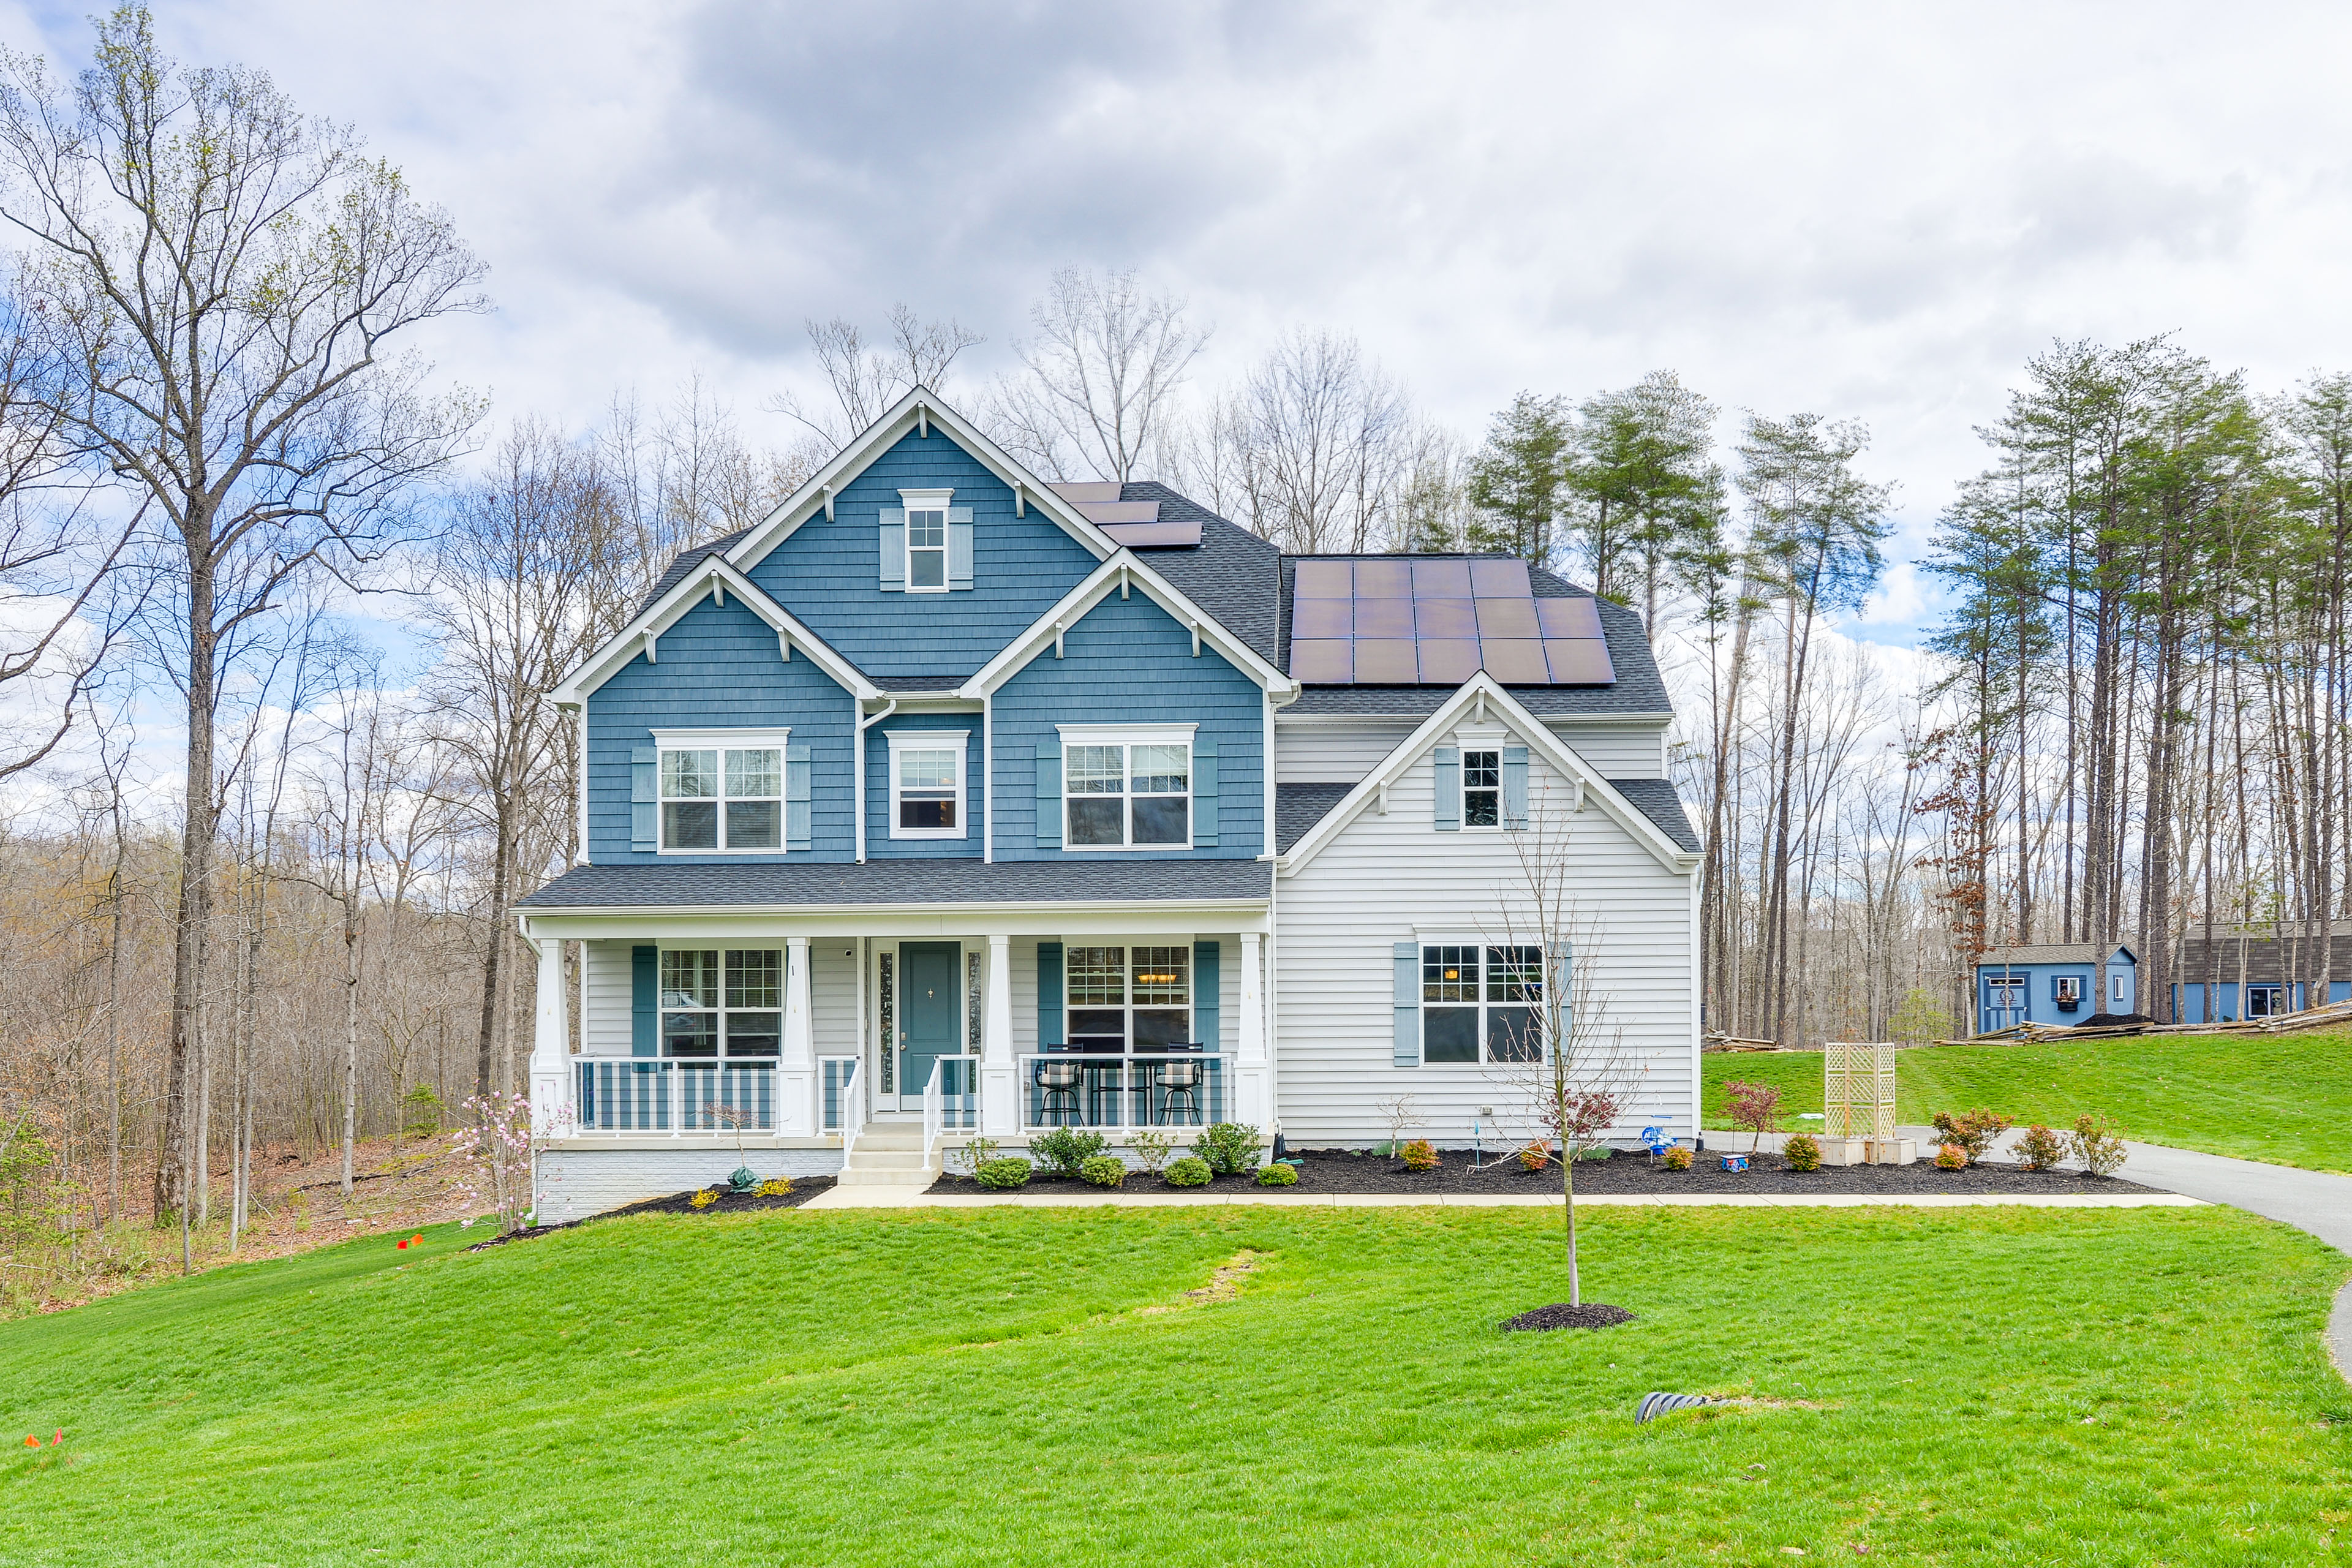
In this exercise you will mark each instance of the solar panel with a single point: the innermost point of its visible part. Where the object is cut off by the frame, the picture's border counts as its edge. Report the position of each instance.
(1436, 621)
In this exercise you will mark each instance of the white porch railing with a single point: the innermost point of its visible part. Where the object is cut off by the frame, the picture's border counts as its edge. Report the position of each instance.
(839, 1106)
(1078, 1089)
(648, 1094)
(951, 1099)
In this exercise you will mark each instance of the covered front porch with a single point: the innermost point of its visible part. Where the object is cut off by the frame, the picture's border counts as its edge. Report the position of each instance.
(671, 1039)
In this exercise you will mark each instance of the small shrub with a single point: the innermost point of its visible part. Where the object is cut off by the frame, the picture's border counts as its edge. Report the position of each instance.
(976, 1152)
(1677, 1159)
(1229, 1147)
(1003, 1175)
(1596, 1153)
(1065, 1149)
(1974, 1132)
(1951, 1157)
(1278, 1176)
(1803, 1152)
(1188, 1171)
(1536, 1155)
(1152, 1149)
(2098, 1147)
(705, 1198)
(2039, 1149)
(420, 1111)
(1103, 1171)
(1420, 1154)
(776, 1187)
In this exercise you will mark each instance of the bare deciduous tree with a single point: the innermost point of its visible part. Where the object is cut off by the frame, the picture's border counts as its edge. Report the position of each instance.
(1098, 379)
(867, 380)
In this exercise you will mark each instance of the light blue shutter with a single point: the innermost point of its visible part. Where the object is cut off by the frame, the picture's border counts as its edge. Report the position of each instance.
(1204, 993)
(1049, 993)
(959, 547)
(1448, 771)
(1049, 794)
(645, 1017)
(1408, 1005)
(1515, 787)
(796, 797)
(645, 797)
(1204, 792)
(894, 549)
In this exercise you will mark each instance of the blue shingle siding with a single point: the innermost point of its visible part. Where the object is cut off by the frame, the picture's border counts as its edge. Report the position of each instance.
(829, 574)
(1128, 662)
(879, 845)
(720, 668)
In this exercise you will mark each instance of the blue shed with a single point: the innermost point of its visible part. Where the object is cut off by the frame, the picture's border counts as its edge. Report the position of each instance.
(2052, 983)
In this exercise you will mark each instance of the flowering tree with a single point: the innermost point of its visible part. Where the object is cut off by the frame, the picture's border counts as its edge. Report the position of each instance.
(1755, 1106)
(495, 1158)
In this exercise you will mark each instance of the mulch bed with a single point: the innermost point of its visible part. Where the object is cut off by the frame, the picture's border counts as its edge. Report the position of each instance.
(1345, 1171)
(803, 1189)
(1561, 1315)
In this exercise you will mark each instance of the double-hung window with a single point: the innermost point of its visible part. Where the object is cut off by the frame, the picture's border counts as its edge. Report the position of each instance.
(722, 792)
(722, 1003)
(926, 783)
(1129, 998)
(1481, 1002)
(1126, 791)
(927, 540)
(1482, 789)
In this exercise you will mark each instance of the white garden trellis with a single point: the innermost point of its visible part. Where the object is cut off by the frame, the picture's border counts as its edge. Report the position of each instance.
(1858, 1107)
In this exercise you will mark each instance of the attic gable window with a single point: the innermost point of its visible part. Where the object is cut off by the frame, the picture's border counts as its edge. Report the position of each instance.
(927, 544)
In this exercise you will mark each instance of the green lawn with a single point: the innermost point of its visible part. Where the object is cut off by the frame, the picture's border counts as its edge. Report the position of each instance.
(2287, 1098)
(1975, 1387)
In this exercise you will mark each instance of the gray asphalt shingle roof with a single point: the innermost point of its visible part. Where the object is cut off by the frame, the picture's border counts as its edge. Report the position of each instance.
(1656, 799)
(917, 882)
(1297, 807)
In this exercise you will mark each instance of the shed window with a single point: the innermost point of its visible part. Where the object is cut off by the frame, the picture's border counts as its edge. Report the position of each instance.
(2066, 990)
(1480, 1003)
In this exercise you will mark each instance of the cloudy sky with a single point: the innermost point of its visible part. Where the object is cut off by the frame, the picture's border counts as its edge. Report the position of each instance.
(1870, 211)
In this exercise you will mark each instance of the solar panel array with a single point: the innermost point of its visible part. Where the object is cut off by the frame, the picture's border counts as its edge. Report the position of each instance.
(1399, 621)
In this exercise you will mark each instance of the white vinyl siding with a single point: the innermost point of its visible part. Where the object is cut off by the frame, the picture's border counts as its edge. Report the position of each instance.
(1619, 750)
(605, 1032)
(1387, 880)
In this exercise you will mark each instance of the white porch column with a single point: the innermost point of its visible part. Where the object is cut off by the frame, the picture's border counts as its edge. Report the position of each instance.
(1000, 1092)
(1254, 1074)
(797, 1074)
(551, 1064)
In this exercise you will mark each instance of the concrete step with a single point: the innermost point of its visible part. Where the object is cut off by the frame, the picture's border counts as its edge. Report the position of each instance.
(863, 1159)
(891, 1138)
(917, 1177)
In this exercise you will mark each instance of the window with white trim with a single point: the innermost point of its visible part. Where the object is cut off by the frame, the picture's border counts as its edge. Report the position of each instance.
(1127, 998)
(1480, 1002)
(1128, 790)
(1482, 789)
(720, 798)
(927, 768)
(722, 1003)
(927, 540)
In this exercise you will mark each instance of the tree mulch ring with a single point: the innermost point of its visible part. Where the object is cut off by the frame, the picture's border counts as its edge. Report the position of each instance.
(1561, 1315)
(803, 1189)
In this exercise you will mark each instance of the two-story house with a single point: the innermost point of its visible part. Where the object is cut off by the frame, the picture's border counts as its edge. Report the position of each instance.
(947, 802)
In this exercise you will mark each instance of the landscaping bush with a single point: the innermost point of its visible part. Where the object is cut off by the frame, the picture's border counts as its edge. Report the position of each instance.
(1065, 1149)
(705, 1198)
(1229, 1147)
(1951, 1157)
(2039, 1149)
(1278, 1176)
(2098, 1147)
(1803, 1152)
(1677, 1159)
(776, 1187)
(976, 1152)
(1003, 1175)
(1755, 1106)
(1974, 1132)
(1188, 1171)
(1420, 1154)
(1536, 1155)
(1596, 1153)
(1103, 1171)
(1152, 1149)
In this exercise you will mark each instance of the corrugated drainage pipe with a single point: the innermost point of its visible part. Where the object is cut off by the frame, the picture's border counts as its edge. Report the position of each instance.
(1657, 1404)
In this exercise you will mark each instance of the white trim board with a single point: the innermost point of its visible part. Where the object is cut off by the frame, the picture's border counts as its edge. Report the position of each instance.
(711, 576)
(1124, 572)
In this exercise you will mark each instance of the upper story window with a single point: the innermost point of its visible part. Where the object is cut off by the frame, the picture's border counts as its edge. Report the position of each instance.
(722, 1002)
(1131, 790)
(927, 540)
(1482, 789)
(1479, 1002)
(927, 783)
(722, 792)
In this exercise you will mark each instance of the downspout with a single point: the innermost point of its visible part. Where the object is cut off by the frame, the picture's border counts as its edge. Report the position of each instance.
(890, 705)
(988, 779)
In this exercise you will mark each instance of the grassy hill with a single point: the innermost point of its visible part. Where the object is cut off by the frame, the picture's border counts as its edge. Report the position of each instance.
(2287, 1098)
(1957, 1387)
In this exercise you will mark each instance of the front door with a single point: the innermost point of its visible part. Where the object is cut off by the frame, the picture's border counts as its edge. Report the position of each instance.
(930, 1014)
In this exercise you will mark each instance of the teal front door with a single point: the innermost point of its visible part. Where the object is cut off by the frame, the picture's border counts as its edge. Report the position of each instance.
(930, 1011)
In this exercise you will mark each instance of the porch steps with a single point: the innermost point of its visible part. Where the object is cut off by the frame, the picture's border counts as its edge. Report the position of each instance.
(889, 1154)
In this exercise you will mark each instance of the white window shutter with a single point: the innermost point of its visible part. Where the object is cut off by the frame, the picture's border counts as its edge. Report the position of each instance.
(894, 549)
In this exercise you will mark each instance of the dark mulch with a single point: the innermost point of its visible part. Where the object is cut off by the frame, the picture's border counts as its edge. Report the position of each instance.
(1561, 1315)
(1344, 1171)
(803, 1189)
(1137, 1181)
